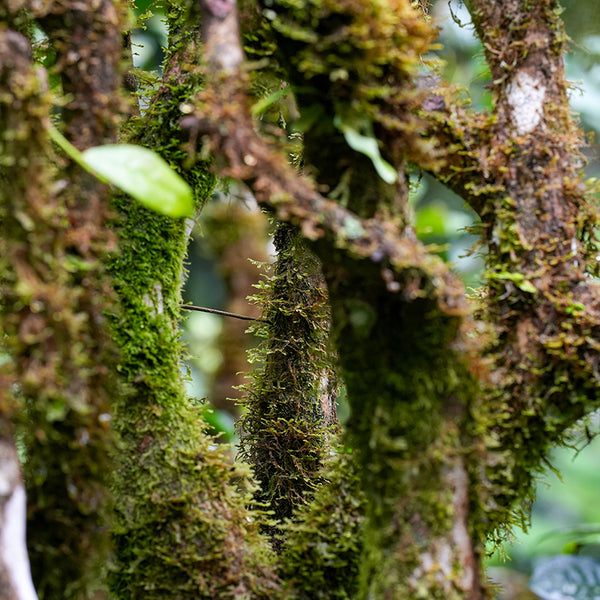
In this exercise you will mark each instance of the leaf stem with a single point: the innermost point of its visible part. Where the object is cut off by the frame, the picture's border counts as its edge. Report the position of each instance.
(63, 143)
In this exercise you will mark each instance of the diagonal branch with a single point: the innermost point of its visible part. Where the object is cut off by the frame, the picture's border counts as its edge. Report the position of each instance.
(249, 158)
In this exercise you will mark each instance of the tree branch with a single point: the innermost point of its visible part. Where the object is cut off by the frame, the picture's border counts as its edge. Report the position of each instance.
(387, 293)
(539, 230)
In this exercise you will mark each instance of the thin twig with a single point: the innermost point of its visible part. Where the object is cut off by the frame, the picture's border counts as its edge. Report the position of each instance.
(224, 313)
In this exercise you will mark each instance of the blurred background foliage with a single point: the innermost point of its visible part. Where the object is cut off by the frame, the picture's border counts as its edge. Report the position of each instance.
(231, 241)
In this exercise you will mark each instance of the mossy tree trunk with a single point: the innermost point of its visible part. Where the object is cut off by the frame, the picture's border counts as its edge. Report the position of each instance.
(290, 403)
(55, 288)
(182, 526)
(448, 426)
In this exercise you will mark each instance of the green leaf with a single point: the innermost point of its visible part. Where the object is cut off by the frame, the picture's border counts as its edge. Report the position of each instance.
(138, 171)
(144, 175)
(567, 577)
(367, 145)
(526, 286)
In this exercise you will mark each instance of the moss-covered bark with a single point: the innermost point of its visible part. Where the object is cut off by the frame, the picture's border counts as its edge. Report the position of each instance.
(321, 555)
(445, 451)
(398, 322)
(291, 402)
(390, 340)
(538, 228)
(414, 469)
(182, 528)
(55, 291)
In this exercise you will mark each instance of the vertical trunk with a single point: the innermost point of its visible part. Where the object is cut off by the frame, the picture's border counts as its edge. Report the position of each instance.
(69, 452)
(182, 527)
(290, 402)
(538, 230)
(55, 291)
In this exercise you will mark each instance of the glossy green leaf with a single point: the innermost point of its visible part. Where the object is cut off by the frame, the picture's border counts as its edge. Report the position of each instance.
(144, 175)
(567, 577)
(367, 145)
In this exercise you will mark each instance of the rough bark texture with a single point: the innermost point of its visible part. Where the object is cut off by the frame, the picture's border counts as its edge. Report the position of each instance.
(537, 225)
(55, 289)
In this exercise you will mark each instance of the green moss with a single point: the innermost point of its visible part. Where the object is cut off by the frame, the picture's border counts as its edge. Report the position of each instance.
(55, 290)
(284, 429)
(410, 394)
(409, 389)
(182, 528)
(323, 544)
(355, 62)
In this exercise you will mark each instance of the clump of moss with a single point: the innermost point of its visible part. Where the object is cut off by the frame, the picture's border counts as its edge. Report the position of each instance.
(323, 544)
(354, 63)
(289, 404)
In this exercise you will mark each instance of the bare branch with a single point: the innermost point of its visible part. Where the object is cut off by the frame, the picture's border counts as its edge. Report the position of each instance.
(220, 31)
(223, 313)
